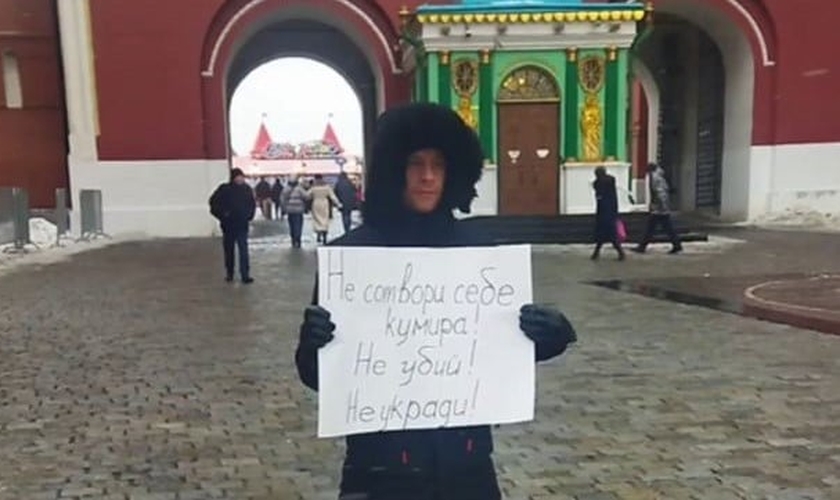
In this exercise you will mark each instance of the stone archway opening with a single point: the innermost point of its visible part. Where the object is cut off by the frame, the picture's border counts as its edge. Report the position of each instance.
(316, 40)
(697, 71)
(272, 115)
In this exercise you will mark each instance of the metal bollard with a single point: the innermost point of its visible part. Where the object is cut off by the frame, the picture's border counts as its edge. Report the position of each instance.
(62, 216)
(20, 221)
(91, 211)
(7, 216)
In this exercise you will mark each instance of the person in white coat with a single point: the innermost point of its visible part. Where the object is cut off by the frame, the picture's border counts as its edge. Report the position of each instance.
(323, 198)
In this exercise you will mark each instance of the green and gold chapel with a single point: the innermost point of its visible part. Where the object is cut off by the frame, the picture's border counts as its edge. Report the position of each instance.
(545, 83)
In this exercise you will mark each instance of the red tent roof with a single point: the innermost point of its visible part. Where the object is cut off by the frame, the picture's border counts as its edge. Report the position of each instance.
(262, 143)
(331, 139)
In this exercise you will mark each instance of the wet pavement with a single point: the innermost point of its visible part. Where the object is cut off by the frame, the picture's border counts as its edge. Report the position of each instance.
(134, 372)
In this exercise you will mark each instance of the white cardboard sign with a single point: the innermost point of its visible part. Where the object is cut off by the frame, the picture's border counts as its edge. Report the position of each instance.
(425, 338)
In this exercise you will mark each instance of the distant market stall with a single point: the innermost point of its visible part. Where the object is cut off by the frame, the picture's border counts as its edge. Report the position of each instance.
(325, 156)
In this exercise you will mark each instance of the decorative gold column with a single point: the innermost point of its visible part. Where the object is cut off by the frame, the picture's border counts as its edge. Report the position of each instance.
(591, 76)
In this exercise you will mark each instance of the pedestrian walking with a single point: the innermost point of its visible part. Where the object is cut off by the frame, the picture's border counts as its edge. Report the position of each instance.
(346, 193)
(276, 195)
(293, 203)
(232, 203)
(425, 163)
(660, 211)
(606, 213)
(263, 192)
(323, 198)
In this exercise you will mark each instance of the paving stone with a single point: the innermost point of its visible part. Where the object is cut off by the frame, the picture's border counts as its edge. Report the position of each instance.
(135, 372)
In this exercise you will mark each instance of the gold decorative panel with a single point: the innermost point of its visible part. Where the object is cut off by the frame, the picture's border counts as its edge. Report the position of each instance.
(591, 121)
(465, 77)
(529, 83)
(591, 71)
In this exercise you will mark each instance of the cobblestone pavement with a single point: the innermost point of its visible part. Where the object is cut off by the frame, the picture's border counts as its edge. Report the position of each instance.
(134, 372)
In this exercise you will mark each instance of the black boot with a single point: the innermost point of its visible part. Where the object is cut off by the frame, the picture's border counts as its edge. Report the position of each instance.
(596, 253)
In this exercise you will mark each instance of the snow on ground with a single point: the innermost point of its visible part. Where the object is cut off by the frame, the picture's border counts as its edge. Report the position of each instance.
(44, 250)
(802, 219)
(716, 244)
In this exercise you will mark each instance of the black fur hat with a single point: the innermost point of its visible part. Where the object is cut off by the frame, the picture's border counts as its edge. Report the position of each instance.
(406, 129)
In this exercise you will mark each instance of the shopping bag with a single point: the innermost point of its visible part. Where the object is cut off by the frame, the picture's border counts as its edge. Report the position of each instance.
(620, 230)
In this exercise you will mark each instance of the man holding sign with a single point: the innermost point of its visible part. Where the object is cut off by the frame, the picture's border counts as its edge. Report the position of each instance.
(416, 349)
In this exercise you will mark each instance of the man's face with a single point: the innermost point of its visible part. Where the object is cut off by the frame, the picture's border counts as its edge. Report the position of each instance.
(239, 179)
(425, 174)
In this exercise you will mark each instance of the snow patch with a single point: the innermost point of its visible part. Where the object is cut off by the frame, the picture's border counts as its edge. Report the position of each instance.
(801, 218)
(44, 249)
(42, 232)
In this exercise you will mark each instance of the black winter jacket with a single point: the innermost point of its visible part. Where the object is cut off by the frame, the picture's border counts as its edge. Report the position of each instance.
(346, 193)
(233, 205)
(438, 464)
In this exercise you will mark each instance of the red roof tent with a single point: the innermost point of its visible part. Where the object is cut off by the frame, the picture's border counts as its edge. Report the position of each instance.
(331, 139)
(262, 143)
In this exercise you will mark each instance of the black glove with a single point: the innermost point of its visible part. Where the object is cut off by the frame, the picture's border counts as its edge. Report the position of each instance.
(548, 328)
(317, 329)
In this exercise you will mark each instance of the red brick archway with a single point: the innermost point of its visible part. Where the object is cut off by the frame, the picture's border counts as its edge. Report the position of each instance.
(240, 19)
(755, 22)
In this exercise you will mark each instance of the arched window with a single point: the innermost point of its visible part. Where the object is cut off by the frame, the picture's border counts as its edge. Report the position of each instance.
(11, 81)
(529, 83)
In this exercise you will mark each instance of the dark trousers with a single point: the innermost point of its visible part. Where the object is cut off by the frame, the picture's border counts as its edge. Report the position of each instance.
(653, 223)
(295, 228)
(478, 483)
(346, 220)
(236, 238)
(615, 244)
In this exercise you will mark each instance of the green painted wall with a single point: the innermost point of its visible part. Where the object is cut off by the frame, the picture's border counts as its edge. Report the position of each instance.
(571, 132)
(487, 106)
(623, 104)
(505, 63)
(432, 76)
(445, 82)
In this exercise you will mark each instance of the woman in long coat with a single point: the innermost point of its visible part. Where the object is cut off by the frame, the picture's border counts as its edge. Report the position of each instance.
(606, 214)
(322, 196)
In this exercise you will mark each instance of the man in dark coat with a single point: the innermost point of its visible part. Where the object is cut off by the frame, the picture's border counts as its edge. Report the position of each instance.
(346, 193)
(233, 205)
(263, 191)
(606, 213)
(276, 194)
(425, 163)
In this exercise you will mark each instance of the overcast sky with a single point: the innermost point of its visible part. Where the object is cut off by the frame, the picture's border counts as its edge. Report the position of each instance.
(297, 95)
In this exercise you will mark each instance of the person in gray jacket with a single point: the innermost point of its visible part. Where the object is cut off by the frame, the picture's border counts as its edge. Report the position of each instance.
(660, 210)
(293, 201)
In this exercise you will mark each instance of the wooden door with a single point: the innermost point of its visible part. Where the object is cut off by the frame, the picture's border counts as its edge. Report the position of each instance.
(529, 158)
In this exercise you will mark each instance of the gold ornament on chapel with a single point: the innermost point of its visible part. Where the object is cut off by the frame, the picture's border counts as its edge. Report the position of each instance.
(590, 126)
(465, 76)
(528, 84)
(465, 83)
(591, 73)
